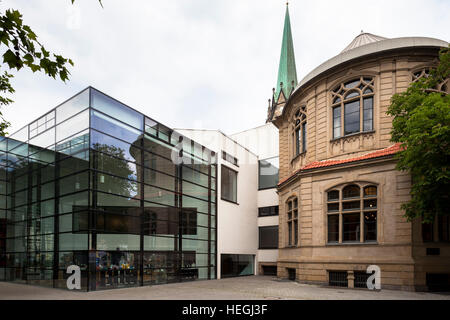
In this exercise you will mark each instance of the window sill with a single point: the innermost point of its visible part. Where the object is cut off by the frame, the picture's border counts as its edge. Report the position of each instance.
(229, 201)
(268, 188)
(267, 248)
(298, 156)
(336, 244)
(352, 135)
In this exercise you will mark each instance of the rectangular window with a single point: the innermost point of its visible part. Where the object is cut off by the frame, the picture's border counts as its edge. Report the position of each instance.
(351, 227)
(268, 237)
(368, 114)
(268, 173)
(236, 265)
(336, 122)
(229, 158)
(268, 211)
(229, 184)
(297, 141)
(333, 228)
(351, 117)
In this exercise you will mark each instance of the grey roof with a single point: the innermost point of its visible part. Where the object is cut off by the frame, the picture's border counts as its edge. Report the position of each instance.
(363, 39)
(371, 48)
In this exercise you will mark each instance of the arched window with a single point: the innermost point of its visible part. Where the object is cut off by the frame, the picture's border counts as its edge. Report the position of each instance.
(292, 221)
(352, 105)
(299, 134)
(351, 209)
(424, 73)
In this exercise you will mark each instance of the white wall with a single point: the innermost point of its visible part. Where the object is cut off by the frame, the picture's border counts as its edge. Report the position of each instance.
(263, 141)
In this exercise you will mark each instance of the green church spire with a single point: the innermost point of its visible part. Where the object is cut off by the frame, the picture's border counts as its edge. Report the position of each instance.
(287, 72)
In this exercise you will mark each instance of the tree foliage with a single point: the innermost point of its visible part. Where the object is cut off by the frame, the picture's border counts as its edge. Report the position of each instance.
(421, 122)
(23, 50)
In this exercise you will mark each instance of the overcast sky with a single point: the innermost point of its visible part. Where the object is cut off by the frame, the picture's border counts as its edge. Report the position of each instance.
(207, 64)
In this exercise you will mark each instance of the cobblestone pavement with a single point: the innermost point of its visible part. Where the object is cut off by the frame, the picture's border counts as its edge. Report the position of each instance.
(246, 288)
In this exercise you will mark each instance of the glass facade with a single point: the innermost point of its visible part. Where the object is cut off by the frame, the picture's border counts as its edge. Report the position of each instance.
(96, 184)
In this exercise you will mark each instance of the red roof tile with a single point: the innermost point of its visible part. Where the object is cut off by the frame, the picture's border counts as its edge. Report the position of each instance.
(329, 163)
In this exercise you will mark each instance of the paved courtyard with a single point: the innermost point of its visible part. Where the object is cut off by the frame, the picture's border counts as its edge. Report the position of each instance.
(247, 288)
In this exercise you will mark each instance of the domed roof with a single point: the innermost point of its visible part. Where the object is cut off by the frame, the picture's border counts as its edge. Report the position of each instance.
(363, 39)
(375, 45)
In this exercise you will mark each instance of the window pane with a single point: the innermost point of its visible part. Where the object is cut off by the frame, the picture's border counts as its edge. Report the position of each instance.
(370, 191)
(194, 176)
(304, 141)
(159, 179)
(352, 84)
(72, 203)
(119, 186)
(44, 140)
(351, 191)
(158, 195)
(370, 226)
(195, 204)
(73, 106)
(351, 226)
(351, 117)
(337, 122)
(333, 195)
(290, 233)
(268, 173)
(352, 95)
(354, 205)
(333, 207)
(194, 191)
(295, 232)
(74, 144)
(116, 109)
(268, 211)
(229, 184)
(368, 114)
(333, 228)
(115, 203)
(159, 163)
(72, 126)
(115, 166)
(370, 204)
(71, 165)
(114, 147)
(113, 127)
(73, 183)
(268, 237)
(297, 141)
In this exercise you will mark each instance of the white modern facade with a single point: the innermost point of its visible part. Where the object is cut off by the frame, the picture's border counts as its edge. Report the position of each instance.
(242, 198)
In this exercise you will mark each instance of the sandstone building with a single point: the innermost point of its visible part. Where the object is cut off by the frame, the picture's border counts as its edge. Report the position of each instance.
(339, 191)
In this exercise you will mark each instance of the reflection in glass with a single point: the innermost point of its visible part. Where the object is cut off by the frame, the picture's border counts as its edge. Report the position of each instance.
(116, 109)
(351, 117)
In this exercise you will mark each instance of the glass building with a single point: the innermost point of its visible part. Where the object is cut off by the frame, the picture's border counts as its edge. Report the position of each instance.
(96, 184)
